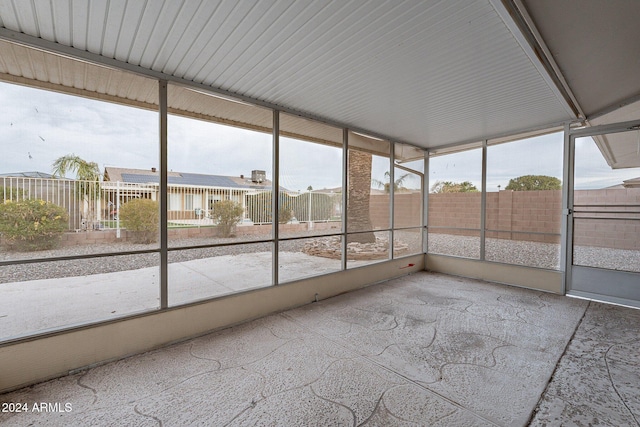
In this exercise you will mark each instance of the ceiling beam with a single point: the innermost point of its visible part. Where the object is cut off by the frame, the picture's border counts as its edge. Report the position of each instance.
(517, 19)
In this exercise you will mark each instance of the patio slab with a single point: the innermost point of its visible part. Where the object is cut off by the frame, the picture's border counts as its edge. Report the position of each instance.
(39, 305)
(425, 349)
(597, 381)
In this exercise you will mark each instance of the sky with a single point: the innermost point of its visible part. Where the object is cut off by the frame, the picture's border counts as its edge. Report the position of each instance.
(540, 155)
(39, 126)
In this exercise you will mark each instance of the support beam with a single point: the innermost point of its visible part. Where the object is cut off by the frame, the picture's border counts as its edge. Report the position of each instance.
(275, 194)
(164, 231)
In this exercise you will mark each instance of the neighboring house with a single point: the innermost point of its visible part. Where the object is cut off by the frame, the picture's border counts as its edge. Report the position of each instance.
(629, 183)
(27, 175)
(632, 183)
(191, 196)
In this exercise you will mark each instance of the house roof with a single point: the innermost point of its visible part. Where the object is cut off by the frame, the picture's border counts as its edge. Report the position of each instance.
(632, 183)
(34, 174)
(145, 176)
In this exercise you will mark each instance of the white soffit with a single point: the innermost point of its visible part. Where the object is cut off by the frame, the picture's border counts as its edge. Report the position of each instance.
(596, 45)
(620, 150)
(425, 72)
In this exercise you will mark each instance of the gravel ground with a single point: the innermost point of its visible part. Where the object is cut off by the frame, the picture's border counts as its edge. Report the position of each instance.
(533, 254)
(108, 264)
(543, 255)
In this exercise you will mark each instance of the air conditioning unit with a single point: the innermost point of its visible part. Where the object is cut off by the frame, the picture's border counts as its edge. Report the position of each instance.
(258, 176)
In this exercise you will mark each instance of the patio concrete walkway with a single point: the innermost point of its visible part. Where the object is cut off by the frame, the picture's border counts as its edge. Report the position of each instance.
(425, 349)
(39, 305)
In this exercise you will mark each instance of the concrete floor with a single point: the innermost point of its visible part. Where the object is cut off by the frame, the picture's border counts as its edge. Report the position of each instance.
(425, 349)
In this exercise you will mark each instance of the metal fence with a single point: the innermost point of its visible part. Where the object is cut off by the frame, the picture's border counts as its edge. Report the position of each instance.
(95, 205)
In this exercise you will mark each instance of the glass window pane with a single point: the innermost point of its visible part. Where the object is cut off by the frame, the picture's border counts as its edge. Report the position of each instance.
(310, 199)
(59, 150)
(407, 242)
(524, 198)
(409, 157)
(455, 242)
(219, 160)
(455, 202)
(302, 258)
(54, 294)
(368, 192)
(198, 274)
(359, 253)
(407, 199)
(606, 226)
(61, 197)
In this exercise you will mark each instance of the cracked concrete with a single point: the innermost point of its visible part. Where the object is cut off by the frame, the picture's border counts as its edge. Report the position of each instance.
(425, 349)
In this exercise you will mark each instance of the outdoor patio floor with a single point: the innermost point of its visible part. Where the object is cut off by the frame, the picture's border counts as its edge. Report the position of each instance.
(424, 349)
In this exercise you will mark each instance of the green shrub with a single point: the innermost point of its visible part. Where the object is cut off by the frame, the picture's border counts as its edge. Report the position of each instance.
(227, 213)
(10, 193)
(141, 217)
(31, 225)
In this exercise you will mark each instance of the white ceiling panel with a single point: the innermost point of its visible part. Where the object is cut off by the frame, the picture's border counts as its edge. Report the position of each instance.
(425, 72)
(596, 45)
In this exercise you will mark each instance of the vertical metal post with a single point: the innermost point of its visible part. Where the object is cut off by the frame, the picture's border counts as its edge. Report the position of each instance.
(275, 195)
(483, 201)
(392, 192)
(566, 226)
(117, 209)
(164, 235)
(345, 188)
(310, 221)
(425, 205)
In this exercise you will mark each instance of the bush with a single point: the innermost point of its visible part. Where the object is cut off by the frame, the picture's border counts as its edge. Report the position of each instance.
(141, 217)
(227, 213)
(10, 193)
(31, 225)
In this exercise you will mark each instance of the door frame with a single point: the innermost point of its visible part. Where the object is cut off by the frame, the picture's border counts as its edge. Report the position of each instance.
(591, 277)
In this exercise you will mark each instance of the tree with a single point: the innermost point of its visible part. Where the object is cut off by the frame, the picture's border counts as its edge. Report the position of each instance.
(534, 182)
(397, 184)
(359, 194)
(453, 187)
(85, 171)
(87, 186)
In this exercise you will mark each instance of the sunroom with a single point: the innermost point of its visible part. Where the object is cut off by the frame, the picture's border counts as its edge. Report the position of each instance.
(485, 139)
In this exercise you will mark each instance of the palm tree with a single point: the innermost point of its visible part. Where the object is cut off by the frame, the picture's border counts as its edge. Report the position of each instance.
(87, 186)
(86, 171)
(397, 184)
(359, 193)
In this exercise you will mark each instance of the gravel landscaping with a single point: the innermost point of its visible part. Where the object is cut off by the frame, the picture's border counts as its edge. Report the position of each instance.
(542, 255)
(533, 254)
